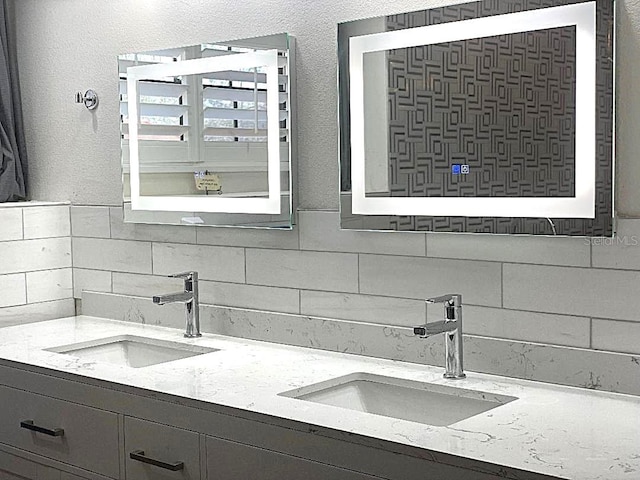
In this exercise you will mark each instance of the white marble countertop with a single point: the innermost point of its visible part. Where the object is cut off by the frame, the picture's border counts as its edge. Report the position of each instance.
(560, 431)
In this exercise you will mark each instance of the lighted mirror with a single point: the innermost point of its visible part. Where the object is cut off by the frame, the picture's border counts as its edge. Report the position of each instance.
(208, 133)
(483, 117)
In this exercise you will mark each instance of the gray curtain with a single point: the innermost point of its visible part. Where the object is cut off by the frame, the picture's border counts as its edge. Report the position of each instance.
(13, 155)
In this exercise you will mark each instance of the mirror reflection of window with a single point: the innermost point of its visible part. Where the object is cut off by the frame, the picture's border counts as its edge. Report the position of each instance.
(205, 130)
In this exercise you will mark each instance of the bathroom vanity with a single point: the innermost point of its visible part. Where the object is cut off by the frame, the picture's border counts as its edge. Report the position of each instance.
(232, 407)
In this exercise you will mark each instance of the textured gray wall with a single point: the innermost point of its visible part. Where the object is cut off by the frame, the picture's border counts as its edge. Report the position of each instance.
(68, 45)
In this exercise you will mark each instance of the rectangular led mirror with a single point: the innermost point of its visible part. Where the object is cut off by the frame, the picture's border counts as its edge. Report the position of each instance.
(483, 117)
(208, 133)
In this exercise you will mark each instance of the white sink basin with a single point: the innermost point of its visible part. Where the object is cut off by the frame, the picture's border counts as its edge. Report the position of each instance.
(431, 404)
(132, 351)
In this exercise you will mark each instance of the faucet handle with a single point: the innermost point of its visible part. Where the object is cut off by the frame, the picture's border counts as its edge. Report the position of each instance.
(426, 331)
(185, 275)
(420, 331)
(451, 298)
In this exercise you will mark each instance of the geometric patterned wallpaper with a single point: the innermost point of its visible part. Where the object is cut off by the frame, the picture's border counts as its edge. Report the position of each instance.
(504, 106)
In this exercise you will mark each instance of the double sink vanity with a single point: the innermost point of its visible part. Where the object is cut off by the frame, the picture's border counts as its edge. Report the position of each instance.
(94, 398)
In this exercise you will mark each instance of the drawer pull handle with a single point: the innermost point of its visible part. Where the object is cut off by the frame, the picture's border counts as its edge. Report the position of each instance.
(139, 456)
(29, 425)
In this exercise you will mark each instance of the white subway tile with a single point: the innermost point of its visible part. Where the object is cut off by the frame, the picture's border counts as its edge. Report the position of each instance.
(212, 263)
(419, 278)
(248, 237)
(321, 231)
(253, 297)
(92, 280)
(48, 285)
(10, 224)
(616, 336)
(90, 222)
(363, 308)
(573, 291)
(47, 222)
(12, 290)
(623, 251)
(336, 272)
(510, 248)
(29, 255)
(115, 255)
(37, 312)
(524, 326)
(152, 233)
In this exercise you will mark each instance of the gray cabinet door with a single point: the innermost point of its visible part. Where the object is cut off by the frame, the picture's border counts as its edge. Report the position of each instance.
(13, 467)
(70, 433)
(157, 448)
(234, 461)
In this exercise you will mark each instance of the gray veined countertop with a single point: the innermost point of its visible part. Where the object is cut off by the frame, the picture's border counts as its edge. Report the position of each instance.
(554, 430)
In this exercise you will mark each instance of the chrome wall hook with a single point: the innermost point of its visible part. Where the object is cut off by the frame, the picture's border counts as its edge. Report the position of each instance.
(89, 98)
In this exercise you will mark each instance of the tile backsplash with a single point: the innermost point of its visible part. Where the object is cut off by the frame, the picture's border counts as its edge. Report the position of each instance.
(562, 310)
(35, 262)
(558, 309)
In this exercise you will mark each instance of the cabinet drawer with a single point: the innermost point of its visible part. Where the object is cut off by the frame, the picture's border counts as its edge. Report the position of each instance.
(157, 449)
(234, 461)
(12, 466)
(71, 433)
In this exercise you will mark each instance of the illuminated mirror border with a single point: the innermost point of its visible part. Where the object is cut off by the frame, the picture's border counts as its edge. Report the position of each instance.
(276, 208)
(212, 204)
(583, 17)
(451, 17)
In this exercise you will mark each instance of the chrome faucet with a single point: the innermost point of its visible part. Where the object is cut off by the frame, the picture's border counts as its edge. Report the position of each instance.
(451, 326)
(190, 299)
